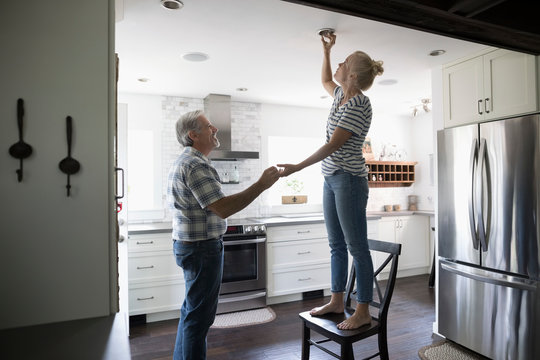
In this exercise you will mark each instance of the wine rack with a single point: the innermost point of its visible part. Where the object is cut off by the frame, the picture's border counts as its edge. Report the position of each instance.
(390, 173)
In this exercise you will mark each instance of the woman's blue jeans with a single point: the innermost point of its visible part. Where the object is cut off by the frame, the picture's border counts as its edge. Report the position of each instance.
(202, 262)
(344, 204)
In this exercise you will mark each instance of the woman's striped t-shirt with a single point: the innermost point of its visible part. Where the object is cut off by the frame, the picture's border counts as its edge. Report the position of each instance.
(355, 117)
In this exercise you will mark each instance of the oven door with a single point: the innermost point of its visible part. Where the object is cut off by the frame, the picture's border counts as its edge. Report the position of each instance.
(244, 265)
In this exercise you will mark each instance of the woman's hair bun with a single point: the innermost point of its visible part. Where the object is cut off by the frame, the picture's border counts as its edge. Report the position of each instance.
(377, 67)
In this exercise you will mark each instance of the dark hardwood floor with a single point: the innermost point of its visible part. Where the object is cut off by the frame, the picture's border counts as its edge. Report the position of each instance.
(410, 323)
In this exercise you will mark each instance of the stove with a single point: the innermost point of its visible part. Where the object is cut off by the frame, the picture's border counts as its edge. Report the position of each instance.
(244, 267)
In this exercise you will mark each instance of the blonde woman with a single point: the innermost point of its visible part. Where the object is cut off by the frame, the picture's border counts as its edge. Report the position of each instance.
(345, 191)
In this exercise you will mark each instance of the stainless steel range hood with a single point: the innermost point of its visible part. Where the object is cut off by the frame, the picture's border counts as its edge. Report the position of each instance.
(218, 109)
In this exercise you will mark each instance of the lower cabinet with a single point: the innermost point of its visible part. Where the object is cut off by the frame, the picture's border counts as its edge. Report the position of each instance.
(413, 233)
(298, 259)
(156, 283)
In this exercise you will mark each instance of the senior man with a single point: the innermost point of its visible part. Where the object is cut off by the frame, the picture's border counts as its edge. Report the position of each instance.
(199, 211)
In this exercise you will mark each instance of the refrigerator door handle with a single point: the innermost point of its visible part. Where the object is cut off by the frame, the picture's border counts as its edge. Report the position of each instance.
(489, 276)
(473, 161)
(481, 227)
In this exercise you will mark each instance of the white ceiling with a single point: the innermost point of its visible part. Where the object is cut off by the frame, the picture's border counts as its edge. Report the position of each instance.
(270, 47)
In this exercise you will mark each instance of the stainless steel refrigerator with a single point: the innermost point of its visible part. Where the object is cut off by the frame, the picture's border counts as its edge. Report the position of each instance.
(489, 237)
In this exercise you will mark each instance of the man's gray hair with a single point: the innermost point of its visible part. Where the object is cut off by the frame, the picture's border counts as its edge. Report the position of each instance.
(188, 122)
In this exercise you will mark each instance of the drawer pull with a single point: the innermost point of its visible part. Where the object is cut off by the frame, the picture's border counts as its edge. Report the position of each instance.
(147, 298)
(304, 252)
(304, 279)
(145, 267)
(145, 242)
(303, 232)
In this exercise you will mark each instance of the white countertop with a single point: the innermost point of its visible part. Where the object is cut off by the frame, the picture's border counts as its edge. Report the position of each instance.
(274, 220)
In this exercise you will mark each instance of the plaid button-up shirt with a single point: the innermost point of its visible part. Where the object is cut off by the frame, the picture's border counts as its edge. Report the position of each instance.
(192, 185)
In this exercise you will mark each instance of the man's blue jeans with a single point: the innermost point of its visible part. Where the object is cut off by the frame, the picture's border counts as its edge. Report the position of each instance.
(202, 262)
(344, 204)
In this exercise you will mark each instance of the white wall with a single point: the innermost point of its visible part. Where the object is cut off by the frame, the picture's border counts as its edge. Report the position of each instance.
(55, 250)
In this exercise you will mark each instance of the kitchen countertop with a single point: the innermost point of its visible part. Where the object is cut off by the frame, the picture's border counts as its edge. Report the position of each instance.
(275, 220)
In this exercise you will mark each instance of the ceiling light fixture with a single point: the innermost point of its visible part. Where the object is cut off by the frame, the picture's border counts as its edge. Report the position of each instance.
(172, 4)
(423, 105)
(437, 52)
(195, 57)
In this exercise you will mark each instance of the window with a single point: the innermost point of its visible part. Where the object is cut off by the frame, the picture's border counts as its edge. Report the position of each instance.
(140, 160)
(293, 150)
(142, 155)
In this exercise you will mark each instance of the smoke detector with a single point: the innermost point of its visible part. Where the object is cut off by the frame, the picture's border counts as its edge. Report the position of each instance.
(325, 31)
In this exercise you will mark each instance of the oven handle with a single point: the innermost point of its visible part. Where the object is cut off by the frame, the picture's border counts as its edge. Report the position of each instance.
(242, 298)
(243, 242)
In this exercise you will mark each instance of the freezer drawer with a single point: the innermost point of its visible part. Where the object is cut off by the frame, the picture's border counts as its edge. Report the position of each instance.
(493, 314)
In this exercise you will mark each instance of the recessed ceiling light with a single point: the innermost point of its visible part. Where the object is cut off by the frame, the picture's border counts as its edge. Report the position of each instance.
(143, 80)
(195, 56)
(437, 52)
(241, 89)
(172, 4)
(388, 82)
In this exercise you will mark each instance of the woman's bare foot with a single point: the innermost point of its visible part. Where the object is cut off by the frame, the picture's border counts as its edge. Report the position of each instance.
(335, 305)
(354, 322)
(328, 308)
(360, 318)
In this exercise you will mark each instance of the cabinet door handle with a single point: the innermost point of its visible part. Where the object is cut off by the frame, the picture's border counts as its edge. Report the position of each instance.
(146, 298)
(145, 267)
(304, 279)
(304, 252)
(303, 232)
(145, 242)
(479, 107)
(486, 105)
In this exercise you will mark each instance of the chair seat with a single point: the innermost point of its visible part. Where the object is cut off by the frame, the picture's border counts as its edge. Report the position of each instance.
(326, 325)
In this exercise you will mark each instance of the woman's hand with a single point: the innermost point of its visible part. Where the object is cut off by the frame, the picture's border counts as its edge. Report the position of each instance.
(328, 40)
(287, 169)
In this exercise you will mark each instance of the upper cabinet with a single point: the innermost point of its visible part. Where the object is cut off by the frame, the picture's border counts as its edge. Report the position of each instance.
(497, 84)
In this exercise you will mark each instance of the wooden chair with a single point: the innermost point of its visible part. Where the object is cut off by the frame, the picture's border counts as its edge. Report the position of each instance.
(326, 325)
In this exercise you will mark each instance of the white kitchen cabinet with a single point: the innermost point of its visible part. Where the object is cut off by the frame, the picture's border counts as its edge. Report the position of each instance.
(497, 84)
(412, 232)
(298, 258)
(156, 283)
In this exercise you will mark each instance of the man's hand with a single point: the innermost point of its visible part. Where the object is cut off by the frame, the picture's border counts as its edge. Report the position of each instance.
(269, 177)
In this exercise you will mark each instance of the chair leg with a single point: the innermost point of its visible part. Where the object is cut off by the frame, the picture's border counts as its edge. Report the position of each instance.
(305, 342)
(347, 352)
(383, 344)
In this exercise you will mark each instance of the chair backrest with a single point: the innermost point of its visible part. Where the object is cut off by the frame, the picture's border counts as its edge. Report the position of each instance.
(385, 295)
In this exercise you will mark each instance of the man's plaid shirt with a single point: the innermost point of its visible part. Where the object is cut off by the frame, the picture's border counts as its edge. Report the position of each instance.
(192, 185)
